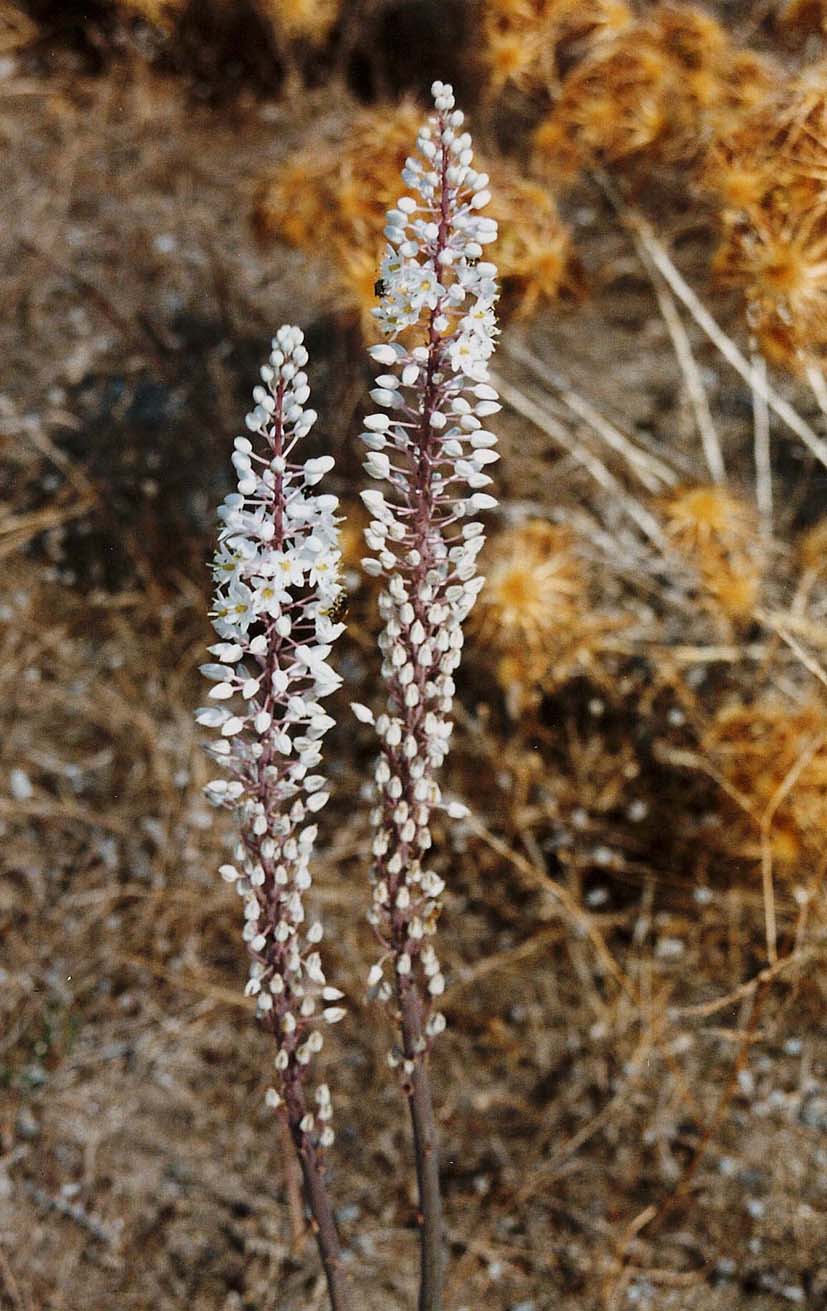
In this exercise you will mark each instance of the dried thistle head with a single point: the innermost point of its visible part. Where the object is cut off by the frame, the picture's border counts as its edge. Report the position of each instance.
(761, 749)
(534, 581)
(514, 38)
(801, 18)
(294, 204)
(709, 517)
(534, 246)
(639, 94)
(750, 81)
(717, 534)
(777, 255)
(615, 104)
(337, 201)
(351, 182)
(774, 220)
(654, 90)
(736, 168)
(17, 29)
(582, 26)
(522, 39)
(302, 20)
(534, 612)
(158, 13)
(690, 36)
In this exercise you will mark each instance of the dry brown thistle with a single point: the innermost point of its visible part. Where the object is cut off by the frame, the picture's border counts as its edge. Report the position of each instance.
(773, 758)
(516, 39)
(779, 260)
(690, 35)
(301, 20)
(350, 181)
(749, 83)
(533, 251)
(521, 39)
(295, 204)
(534, 613)
(736, 168)
(158, 13)
(17, 29)
(615, 104)
(657, 91)
(717, 534)
(337, 202)
(774, 221)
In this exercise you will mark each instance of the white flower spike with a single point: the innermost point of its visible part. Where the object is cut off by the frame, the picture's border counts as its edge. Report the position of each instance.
(430, 450)
(276, 572)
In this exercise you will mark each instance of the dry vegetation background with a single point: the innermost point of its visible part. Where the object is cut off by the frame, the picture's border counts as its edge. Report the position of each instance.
(632, 1087)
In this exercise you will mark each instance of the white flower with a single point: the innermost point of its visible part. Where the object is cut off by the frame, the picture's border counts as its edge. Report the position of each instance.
(362, 713)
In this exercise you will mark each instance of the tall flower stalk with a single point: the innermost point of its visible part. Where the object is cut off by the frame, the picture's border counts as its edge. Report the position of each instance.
(429, 446)
(276, 574)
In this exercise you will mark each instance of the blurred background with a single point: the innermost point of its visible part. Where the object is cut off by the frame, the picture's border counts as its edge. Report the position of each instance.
(631, 1090)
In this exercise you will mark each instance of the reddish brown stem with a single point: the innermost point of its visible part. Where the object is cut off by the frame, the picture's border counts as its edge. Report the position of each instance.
(426, 1149)
(292, 1179)
(324, 1225)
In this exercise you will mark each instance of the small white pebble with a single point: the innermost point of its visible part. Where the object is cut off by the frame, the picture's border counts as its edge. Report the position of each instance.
(20, 785)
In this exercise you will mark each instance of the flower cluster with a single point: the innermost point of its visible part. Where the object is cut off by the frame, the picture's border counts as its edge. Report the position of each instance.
(276, 573)
(430, 447)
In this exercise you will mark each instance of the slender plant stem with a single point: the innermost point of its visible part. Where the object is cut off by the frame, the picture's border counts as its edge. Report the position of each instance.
(324, 1225)
(761, 443)
(691, 373)
(292, 1182)
(316, 1195)
(426, 1148)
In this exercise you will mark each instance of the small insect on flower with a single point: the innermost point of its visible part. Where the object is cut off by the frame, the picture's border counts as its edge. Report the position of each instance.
(338, 610)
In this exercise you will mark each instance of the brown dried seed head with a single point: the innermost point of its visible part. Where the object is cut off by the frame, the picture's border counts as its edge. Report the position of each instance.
(717, 533)
(756, 747)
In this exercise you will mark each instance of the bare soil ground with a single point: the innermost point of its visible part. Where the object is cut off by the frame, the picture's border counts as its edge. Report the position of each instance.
(632, 1116)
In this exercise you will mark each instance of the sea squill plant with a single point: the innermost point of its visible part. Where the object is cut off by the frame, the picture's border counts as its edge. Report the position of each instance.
(276, 576)
(429, 446)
